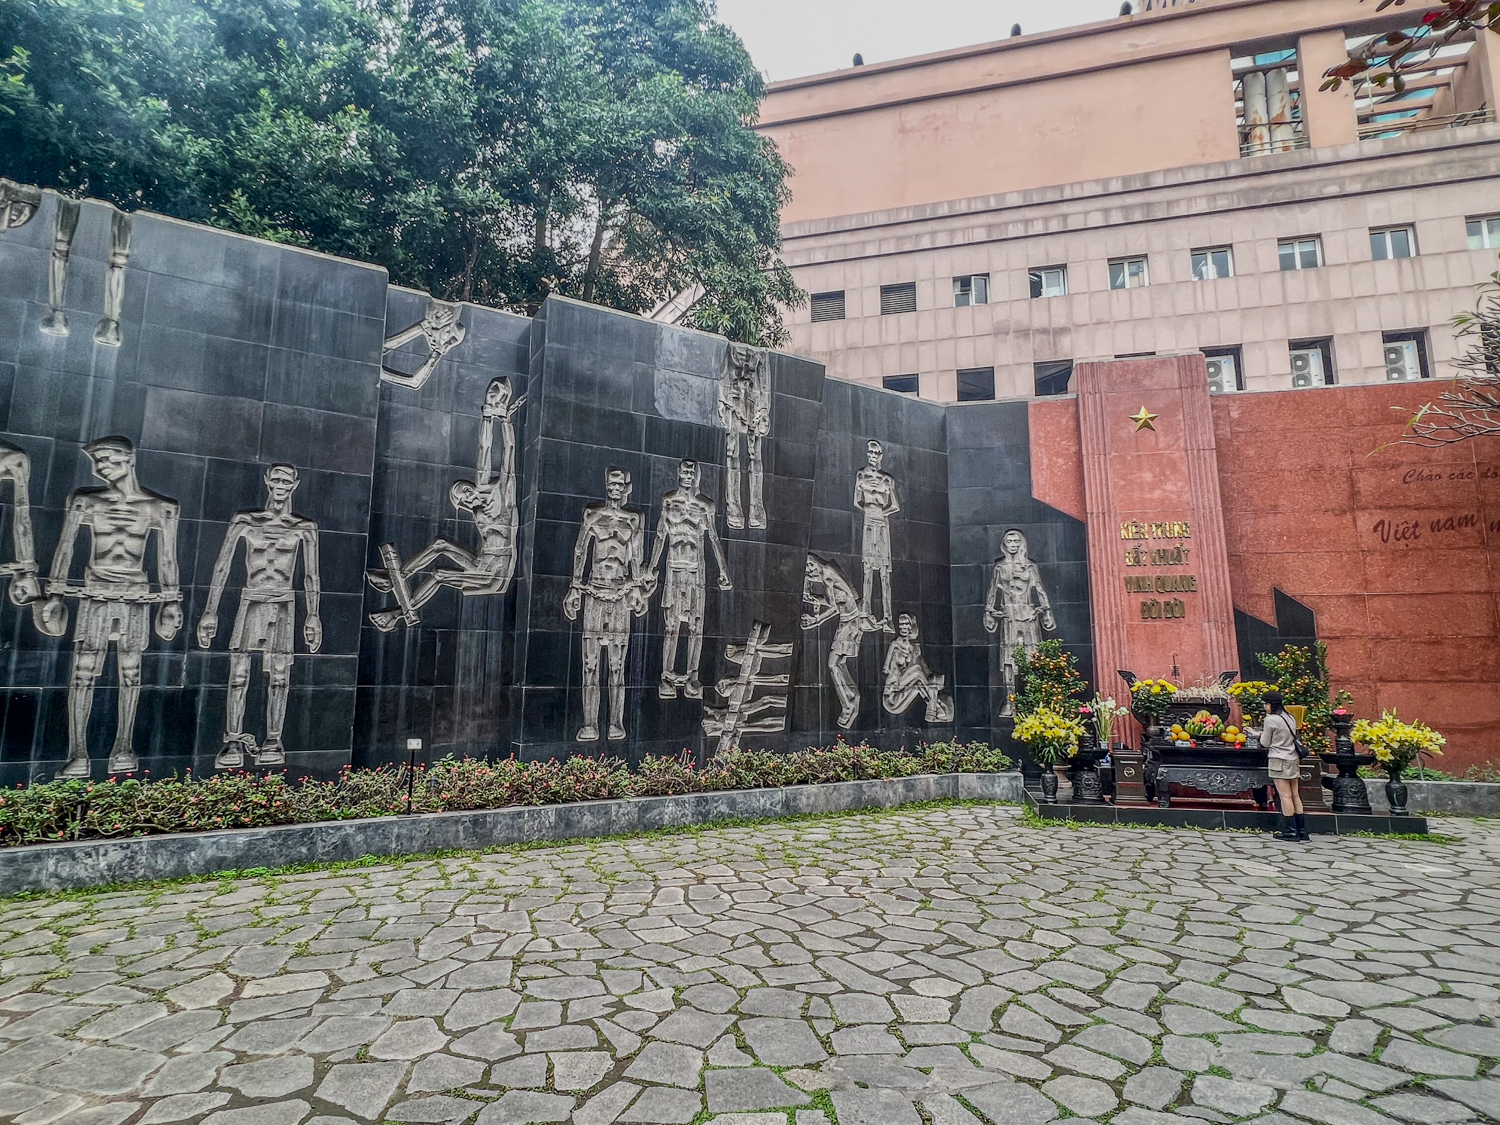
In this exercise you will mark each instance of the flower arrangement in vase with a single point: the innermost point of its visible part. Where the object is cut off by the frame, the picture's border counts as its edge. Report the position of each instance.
(1105, 716)
(1396, 745)
(1251, 696)
(1151, 699)
(1052, 738)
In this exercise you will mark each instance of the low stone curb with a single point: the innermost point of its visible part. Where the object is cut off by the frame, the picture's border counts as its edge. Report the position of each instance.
(94, 863)
(1441, 798)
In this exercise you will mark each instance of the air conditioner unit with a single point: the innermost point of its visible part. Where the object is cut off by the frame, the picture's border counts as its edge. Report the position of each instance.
(1403, 363)
(1222, 378)
(1307, 368)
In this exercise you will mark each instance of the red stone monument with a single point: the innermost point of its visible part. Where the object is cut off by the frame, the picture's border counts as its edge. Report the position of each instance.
(1158, 560)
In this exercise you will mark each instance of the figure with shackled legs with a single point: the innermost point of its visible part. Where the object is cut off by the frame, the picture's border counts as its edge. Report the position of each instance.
(15, 466)
(745, 412)
(837, 599)
(907, 676)
(1017, 608)
(609, 594)
(273, 538)
(115, 597)
(875, 496)
(687, 519)
(490, 499)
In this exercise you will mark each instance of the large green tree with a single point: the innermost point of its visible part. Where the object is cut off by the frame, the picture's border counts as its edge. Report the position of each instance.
(486, 150)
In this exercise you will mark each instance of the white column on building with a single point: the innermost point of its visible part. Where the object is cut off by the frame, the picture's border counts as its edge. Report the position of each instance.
(1257, 116)
(1279, 109)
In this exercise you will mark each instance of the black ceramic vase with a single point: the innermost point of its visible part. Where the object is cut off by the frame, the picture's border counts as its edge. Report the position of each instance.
(1049, 785)
(1395, 791)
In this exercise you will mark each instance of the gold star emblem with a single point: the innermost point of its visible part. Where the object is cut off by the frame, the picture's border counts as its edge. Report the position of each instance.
(1145, 420)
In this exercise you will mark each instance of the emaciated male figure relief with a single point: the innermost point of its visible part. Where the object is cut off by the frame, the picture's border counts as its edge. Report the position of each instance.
(745, 411)
(839, 600)
(273, 538)
(490, 499)
(687, 519)
(609, 594)
(15, 466)
(115, 596)
(875, 496)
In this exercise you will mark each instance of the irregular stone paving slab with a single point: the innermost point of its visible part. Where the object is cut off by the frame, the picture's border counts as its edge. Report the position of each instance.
(947, 964)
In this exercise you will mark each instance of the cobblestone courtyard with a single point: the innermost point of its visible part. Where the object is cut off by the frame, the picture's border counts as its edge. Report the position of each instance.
(941, 965)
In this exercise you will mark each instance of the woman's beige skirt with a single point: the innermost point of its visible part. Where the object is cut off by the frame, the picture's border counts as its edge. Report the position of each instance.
(1284, 769)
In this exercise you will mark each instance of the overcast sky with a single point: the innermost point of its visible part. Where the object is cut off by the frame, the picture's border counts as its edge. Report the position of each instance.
(793, 38)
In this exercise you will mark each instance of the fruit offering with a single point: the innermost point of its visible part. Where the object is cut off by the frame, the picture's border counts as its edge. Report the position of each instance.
(1205, 725)
(1233, 736)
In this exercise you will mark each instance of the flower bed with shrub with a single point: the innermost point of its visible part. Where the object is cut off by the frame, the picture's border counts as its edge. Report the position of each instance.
(87, 810)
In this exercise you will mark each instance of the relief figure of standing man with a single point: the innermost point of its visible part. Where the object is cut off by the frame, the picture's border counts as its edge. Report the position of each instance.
(687, 519)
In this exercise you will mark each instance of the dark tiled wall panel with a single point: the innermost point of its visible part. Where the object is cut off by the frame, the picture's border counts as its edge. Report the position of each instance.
(989, 491)
(237, 354)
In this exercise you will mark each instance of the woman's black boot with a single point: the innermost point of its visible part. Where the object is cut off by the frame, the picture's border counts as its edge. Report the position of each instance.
(1288, 830)
(1302, 834)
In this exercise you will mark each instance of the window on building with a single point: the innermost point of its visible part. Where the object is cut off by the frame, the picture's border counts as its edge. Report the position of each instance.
(1397, 242)
(1212, 263)
(1484, 232)
(976, 384)
(1301, 253)
(827, 306)
(1406, 356)
(1052, 378)
(1128, 273)
(906, 384)
(1226, 370)
(1049, 281)
(901, 298)
(971, 290)
(1312, 363)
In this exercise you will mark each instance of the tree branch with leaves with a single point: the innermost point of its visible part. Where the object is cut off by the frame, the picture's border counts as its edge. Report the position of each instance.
(1386, 59)
(1470, 407)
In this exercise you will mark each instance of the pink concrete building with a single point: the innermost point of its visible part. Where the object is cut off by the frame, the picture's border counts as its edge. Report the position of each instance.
(974, 222)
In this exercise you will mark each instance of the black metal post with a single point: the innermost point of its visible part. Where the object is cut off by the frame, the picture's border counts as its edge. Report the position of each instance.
(412, 746)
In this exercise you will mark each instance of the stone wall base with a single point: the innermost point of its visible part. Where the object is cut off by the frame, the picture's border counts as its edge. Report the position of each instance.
(94, 863)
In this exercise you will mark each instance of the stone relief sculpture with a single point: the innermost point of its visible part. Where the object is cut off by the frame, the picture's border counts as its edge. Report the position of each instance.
(108, 331)
(829, 594)
(875, 496)
(1017, 608)
(490, 500)
(745, 413)
(609, 593)
(687, 520)
(115, 596)
(743, 713)
(64, 227)
(18, 204)
(273, 538)
(15, 467)
(443, 333)
(907, 676)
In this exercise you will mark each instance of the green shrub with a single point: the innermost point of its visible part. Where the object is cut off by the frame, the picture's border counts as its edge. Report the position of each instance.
(88, 810)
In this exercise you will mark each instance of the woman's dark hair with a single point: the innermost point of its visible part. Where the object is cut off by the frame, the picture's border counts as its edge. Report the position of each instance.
(1273, 701)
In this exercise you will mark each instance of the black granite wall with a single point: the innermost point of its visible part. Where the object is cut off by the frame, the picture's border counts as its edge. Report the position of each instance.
(237, 354)
(913, 437)
(442, 680)
(989, 492)
(611, 390)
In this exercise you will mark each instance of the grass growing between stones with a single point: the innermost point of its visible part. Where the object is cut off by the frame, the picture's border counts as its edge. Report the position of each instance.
(366, 861)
